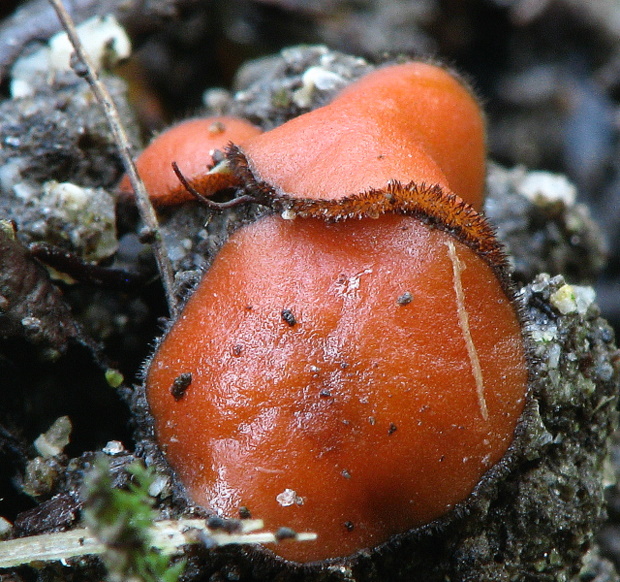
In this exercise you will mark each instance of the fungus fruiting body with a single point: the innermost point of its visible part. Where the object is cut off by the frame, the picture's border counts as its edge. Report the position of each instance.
(191, 145)
(413, 122)
(321, 399)
(352, 364)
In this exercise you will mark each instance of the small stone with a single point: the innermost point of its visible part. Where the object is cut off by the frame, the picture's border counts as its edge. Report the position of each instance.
(51, 443)
(564, 300)
(159, 486)
(5, 527)
(114, 448)
(289, 497)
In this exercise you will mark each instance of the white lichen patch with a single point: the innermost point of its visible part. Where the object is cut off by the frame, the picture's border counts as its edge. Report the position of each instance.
(544, 335)
(84, 217)
(573, 299)
(104, 39)
(71, 197)
(585, 296)
(316, 78)
(546, 189)
(289, 497)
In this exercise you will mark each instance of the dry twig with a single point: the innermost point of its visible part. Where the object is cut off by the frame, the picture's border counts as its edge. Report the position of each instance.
(169, 536)
(83, 66)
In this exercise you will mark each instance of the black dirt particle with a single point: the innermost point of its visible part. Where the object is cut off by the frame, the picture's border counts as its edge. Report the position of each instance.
(392, 428)
(237, 350)
(405, 298)
(288, 317)
(180, 385)
(226, 525)
(349, 525)
(146, 236)
(285, 533)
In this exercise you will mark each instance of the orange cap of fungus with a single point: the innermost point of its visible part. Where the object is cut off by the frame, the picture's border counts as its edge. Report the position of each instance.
(355, 379)
(191, 145)
(413, 122)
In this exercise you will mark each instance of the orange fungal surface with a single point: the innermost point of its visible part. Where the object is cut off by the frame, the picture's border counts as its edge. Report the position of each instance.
(410, 122)
(190, 144)
(355, 379)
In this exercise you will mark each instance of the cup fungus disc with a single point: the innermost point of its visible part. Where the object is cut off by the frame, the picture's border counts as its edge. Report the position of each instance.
(191, 145)
(410, 122)
(356, 379)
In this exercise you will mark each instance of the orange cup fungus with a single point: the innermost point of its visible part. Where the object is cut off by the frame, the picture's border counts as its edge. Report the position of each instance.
(360, 370)
(410, 122)
(191, 145)
(356, 379)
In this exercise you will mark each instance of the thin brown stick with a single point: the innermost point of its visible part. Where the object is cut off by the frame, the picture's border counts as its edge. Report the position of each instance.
(84, 67)
(240, 200)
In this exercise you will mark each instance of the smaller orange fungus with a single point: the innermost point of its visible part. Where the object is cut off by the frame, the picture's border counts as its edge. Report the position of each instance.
(191, 145)
(413, 122)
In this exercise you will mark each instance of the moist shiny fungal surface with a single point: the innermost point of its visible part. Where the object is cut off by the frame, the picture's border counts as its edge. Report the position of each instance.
(191, 145)
(320, 399)
(410, 122)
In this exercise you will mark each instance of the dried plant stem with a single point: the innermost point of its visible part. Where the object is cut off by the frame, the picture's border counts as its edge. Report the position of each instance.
(84, 67)
(169, 536)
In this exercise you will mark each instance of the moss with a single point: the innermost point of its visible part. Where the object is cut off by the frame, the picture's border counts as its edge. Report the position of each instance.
(121, 518)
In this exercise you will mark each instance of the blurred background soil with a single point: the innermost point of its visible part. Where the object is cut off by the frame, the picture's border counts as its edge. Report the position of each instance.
(548, 71)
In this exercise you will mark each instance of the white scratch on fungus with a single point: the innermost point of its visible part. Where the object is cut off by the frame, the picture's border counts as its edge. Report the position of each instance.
(457, 269)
